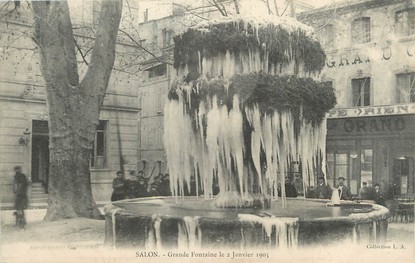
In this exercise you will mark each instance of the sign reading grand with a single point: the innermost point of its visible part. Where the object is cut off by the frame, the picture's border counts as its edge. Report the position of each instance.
(372, 111)
(369, 126)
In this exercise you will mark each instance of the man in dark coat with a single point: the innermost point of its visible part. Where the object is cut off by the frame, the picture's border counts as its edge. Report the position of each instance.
(344, 191)
(364, 192)
(119, 186)
(289, 189)
(322, 191)
(378, 195)
(20, 191)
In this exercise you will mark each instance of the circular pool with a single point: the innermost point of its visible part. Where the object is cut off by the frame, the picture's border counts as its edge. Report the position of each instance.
(167, 222)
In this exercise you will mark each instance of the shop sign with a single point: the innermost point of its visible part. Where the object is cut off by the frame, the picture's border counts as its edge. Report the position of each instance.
(346, 58)
(372, 111)
(386, 125)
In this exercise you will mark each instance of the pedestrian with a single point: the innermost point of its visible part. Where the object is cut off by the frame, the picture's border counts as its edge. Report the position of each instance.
(289, 189)
(132, 185)
(142, 187)
(298, 184)
(119, 186)
(344, 191)
(364, 192)
(378, 195)
(156, 186)
(165, 185)
(323, 190)
(20, 191)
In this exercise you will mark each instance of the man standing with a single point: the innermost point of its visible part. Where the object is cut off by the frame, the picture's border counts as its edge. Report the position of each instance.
(20, 191)
(344, 191)
(364, 192)
(298, 184)
(378, 196)
(119, 186)
(322, 190)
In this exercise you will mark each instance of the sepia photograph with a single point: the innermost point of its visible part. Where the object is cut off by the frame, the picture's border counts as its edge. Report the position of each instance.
(207, 131)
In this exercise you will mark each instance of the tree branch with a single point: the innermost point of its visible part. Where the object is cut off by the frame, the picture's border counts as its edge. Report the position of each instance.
(222, 9)
(191, 11)
(103, 53)
(53, 34)
(276, 8)
(80, 52)
(139, 45)
(235, 2)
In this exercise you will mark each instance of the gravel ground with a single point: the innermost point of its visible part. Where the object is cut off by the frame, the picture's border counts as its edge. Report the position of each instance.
(68, 230)
(81, 240)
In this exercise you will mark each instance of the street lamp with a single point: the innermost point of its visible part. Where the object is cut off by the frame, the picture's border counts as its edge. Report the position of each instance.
(24, 139)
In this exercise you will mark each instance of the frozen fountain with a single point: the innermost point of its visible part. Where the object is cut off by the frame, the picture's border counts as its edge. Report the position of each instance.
(245, 105)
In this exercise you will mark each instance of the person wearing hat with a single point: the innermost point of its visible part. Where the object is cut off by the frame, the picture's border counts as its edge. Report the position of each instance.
(323, 190)
(155, 186)
(298, 184)
(132, 185)
(378, 196)
(344, 191)
(20, 190)
(119, 185)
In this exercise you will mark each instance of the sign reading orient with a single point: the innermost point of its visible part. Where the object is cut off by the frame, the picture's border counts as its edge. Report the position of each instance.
(372, 111)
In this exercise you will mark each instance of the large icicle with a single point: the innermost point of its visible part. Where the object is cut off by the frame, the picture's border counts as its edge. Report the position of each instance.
(284, 228)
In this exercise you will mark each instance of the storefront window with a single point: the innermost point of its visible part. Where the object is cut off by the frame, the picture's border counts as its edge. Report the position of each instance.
(366, 171)
(326, 36)
(402, 175)
(340, 165)
(157, 71)
(405, 87)
(405, 22)
(361, 92)
(98, 154)
(361, 30)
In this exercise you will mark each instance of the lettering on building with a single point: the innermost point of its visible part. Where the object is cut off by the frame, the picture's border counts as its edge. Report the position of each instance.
(397, 125)
(372, 111)
(345, 59)
(374, 125)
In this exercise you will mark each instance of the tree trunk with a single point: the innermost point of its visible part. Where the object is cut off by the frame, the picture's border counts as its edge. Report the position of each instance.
(73, 106)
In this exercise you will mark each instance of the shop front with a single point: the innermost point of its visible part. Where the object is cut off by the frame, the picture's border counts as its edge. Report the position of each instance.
(373, 149)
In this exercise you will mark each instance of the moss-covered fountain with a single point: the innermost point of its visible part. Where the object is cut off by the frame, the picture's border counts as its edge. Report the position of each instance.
(246, 104)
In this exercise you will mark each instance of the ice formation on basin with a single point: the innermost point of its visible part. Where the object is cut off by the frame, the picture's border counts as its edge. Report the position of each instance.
(243, 107)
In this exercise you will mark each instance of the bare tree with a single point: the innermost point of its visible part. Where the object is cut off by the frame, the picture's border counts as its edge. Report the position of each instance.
(236, 4)
(219, 5)
(74, 105)
(266, 2)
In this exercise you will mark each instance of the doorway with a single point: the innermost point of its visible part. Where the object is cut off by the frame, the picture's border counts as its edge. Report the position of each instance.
(40, 154)
(403, 179)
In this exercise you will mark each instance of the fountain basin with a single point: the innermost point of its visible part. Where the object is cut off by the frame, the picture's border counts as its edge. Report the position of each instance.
(167, 222)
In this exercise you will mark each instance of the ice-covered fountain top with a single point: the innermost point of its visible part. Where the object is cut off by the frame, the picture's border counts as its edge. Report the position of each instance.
(244, 106)
(232, 45)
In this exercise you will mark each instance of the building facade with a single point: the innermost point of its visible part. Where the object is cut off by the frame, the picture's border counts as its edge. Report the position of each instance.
(370, 47)
(23, 106)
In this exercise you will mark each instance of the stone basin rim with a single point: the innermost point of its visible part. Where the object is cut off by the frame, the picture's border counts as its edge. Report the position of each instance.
(379, 212)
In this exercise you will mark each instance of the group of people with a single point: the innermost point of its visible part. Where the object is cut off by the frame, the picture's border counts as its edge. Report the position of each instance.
(324, 191)
(138, 186)
(293, 188)
(369, 193)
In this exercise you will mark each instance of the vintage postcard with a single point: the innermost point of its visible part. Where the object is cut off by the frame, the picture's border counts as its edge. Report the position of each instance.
(207, 131)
